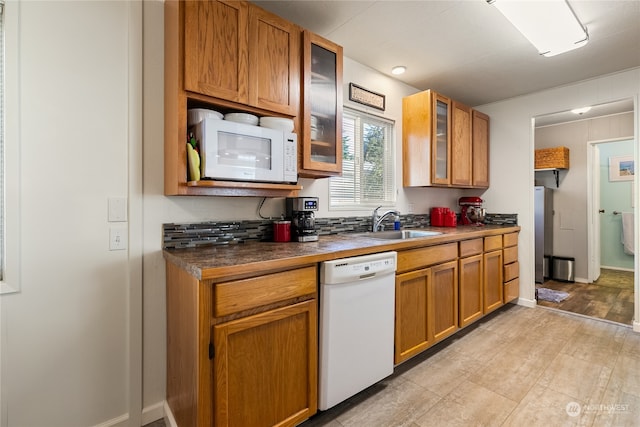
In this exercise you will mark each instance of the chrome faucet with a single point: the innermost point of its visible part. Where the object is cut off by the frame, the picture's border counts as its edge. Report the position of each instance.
(376, 220)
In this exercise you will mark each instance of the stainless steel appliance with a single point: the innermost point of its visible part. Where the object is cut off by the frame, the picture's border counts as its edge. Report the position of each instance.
(471, 210)
(543, 231)
(241, 152)
(357, 304)
(301, 212)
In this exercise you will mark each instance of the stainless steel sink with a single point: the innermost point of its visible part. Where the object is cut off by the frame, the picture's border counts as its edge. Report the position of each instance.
(399, 234)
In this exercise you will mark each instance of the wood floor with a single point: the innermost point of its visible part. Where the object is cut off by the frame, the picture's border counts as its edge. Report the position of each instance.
(609, 298)
(518, 367)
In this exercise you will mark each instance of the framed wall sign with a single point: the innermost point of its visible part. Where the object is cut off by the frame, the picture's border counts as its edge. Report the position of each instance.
(366, 97)
(621, 168)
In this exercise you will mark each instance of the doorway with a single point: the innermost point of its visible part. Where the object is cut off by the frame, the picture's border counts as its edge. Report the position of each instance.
(604, 276)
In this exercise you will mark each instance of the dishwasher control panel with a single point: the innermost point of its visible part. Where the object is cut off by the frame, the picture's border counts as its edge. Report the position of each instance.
(356, 268)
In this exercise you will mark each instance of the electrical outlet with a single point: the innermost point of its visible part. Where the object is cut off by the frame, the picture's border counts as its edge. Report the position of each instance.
(118, 238)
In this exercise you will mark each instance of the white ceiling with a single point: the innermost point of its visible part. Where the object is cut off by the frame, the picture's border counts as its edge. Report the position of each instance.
(466, 49)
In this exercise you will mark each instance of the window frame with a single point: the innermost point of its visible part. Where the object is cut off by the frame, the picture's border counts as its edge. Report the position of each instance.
(390, 180)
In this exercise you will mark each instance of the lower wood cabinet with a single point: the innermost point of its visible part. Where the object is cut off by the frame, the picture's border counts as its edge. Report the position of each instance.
(492, 282)
(413, 329)
(242, 352)
(444, 299)
(265, 368)
(471, 296)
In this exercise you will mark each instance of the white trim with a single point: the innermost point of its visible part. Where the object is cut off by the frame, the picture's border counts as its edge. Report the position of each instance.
(169, 419)
(525, 302)
(153, 412)
(617, 268)
(120, 421)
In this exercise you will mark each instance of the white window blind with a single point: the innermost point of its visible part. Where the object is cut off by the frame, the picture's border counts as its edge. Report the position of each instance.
(367, 163)
(2, 14)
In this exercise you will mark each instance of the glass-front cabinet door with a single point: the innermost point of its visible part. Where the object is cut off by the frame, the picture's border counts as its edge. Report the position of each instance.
(321, 130)
(441, 154)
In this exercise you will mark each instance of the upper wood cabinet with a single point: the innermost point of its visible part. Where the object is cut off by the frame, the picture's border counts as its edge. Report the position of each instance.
(227, 56)
(239, 52)
(321, 130)
(480, 140)
(441, 147)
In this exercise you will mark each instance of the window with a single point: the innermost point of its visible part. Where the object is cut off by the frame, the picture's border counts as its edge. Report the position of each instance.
(367, 163)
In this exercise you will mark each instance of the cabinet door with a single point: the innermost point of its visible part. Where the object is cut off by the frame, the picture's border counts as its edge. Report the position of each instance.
(493, 282)
(265, 368)
(461, 160)
(322, 113)
(274, 62)
(480, 141)
(471, 302)
(215, 49)
(441, 154)
(414, 332)
(444, 299)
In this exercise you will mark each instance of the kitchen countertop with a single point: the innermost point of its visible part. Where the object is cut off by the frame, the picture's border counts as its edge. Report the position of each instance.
(232, 261)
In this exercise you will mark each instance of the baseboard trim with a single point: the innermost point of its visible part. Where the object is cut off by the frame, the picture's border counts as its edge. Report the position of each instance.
(120, 421)
(169, 420)
(152, 413)
(617, 268)
(636, 326)
(531, 303)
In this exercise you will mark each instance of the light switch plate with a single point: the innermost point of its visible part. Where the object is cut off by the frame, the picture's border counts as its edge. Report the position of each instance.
(117, 209)
(118, 238)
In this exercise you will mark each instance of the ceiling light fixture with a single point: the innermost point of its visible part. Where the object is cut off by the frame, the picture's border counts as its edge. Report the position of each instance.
(580, 111)
(400, 69)
(550, 25)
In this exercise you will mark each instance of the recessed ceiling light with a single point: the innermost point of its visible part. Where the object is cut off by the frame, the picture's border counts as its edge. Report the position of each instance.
(400, 69)
(580, 110)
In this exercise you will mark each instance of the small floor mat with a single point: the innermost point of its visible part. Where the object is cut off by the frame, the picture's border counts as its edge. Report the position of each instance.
(551, 295)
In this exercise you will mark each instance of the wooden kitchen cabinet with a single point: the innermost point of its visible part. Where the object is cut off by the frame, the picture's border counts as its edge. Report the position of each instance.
(480, 150)
(242, 352)
(493, 282)
(265, 368)
(426, 296)
(227, 56)
(511, 268)
(238, 52)
(441, 147)
(461, 145)
(444, 299)
(321, 130)
(471, 279)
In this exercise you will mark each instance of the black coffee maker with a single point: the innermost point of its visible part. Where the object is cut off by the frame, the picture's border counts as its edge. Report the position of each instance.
(300, 210)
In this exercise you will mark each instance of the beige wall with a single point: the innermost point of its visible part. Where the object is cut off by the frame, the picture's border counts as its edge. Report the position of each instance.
(570, 198)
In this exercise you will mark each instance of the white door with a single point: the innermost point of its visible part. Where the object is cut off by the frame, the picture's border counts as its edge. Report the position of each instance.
(594, 211)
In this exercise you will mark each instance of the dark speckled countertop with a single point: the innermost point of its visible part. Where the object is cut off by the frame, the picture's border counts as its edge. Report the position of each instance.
(223, 262)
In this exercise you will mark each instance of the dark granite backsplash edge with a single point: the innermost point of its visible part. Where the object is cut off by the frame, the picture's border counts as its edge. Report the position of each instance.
(190, 235)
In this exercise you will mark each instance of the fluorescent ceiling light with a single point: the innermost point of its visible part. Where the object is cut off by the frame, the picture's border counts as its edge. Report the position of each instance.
(400, 69)
(550, 25)
(580, 110)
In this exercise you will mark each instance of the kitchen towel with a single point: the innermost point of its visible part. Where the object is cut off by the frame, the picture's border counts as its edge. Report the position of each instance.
(627, 233)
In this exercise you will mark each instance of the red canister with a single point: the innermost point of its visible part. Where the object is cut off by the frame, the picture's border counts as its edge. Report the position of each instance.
(437, 217)
(281, 231)
(450, 219)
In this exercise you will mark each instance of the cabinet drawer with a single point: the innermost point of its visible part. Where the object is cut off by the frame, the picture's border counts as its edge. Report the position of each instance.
(470, 247)
(492, 243)
(510, 254)
(239, 295)
(414, 259)
(511, 271)
(510, 239)
(511, 290)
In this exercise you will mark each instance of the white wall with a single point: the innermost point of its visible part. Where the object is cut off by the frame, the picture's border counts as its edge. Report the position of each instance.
(512, 175)
(66, 354)
(570, 198)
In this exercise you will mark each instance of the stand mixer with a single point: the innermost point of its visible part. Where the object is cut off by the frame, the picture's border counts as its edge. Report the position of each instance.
(471, 210)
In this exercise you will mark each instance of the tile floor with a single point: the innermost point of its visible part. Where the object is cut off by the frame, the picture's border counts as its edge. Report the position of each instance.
(516, 367)
(609, 298)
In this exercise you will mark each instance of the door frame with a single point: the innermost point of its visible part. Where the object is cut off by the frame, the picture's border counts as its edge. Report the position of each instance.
(593, 205)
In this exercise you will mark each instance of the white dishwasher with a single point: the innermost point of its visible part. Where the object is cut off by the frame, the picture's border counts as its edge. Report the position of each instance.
(357, 305)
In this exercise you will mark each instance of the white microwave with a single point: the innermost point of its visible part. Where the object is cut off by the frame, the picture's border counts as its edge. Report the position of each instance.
(240, 152)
